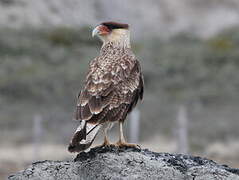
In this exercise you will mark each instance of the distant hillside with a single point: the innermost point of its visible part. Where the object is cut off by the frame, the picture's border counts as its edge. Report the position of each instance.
(162, 17)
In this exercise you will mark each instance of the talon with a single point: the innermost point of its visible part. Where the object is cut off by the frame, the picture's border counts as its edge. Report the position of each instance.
(124, 144)
(106, 143)
(103, 145)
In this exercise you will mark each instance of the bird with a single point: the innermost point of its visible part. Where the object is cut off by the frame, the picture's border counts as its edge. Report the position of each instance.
(112, 87)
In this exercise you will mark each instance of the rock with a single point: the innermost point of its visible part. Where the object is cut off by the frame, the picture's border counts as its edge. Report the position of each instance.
(128, 163)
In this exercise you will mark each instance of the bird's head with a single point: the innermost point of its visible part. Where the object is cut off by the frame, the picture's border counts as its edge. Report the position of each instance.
(112, 32)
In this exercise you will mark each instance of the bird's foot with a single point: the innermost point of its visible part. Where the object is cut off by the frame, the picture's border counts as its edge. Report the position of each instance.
(127, 145)
(105, 144)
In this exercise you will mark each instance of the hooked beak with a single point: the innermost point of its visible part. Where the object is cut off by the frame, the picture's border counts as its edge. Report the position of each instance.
(95, 31)
(100, 30)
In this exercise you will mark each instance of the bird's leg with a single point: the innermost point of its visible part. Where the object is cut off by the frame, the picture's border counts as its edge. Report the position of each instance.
(106, 140)
(121, 133)
(122, 142)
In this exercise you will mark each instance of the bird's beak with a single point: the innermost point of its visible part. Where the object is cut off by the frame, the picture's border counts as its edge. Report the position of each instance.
(95, 31)
(100, 30)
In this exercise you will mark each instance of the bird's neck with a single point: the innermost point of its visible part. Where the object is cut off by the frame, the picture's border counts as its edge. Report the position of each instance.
(119, 38)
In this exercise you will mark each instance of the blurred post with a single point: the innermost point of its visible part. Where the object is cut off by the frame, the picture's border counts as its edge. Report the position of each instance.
(37, 134)
(182, 130)
(134, 126)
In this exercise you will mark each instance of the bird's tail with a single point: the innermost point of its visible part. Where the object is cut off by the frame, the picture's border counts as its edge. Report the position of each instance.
(83, 137)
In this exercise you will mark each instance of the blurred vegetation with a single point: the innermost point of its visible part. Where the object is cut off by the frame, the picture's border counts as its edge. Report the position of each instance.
(38, 65)
(189, 69)
(41, 71)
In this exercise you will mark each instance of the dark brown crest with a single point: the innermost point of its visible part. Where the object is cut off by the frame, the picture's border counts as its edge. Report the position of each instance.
(115, 25)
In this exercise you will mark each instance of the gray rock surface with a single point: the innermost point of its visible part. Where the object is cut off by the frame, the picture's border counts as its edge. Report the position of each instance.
(120, 163)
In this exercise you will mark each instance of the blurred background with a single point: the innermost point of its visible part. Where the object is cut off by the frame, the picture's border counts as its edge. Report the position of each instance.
(189, 51)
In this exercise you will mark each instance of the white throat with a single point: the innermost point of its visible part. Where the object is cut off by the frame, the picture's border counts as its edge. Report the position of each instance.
(119, 37)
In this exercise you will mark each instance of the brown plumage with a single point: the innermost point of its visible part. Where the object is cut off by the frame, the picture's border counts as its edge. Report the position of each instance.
(113, 85)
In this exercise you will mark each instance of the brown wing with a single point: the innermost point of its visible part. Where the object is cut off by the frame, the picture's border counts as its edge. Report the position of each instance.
(110, 93)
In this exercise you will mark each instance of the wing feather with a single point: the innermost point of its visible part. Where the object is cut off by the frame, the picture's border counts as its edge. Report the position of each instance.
(85, 113)
(95, 104)
(110, 94)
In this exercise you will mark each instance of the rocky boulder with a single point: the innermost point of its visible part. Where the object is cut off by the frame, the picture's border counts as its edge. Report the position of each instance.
(128, 163)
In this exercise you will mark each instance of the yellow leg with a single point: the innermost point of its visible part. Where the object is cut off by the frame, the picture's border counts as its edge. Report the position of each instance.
(106, 140)
(122, 142)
